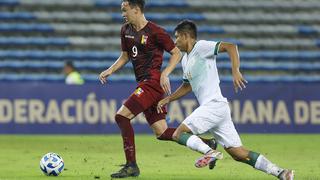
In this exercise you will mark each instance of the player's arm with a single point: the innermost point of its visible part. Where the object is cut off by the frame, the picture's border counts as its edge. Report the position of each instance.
(121, 61)
(232, 50)
(173, 61)
(184, 89)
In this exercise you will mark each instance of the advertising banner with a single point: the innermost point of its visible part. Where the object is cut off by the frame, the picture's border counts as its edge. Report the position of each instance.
(90, 109)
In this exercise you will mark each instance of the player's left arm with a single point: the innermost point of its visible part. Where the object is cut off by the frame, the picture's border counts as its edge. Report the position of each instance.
(232, 50)
(173, 61)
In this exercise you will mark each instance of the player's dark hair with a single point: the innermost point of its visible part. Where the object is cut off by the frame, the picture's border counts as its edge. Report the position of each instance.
(187, 26)
(69, 63)
(139, 3)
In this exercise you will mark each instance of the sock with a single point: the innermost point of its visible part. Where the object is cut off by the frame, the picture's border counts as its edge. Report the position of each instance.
(127, 137)
(252, 158)
(194, 143)
(167, 134)
(263, 164)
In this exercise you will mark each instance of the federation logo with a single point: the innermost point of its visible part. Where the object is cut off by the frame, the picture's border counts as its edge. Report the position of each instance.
(144, 39)
(138, 91)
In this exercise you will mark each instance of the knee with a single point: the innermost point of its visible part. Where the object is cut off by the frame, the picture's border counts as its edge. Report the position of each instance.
(119, 118)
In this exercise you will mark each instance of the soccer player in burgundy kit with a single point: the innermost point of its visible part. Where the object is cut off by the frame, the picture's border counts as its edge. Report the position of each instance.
(143, 43)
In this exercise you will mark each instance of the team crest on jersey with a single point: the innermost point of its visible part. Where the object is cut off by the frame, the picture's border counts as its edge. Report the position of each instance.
(144, 39)
(138, 91)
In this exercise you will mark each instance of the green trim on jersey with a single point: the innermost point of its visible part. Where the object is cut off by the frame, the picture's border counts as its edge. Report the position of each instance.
(216, 49)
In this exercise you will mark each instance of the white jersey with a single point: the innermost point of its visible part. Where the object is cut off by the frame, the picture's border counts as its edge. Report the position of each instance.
(213, 115)
(200, 70)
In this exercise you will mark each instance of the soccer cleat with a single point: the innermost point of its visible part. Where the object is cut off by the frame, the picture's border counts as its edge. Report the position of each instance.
(206, 159)
(213, 145)
(127, 171)
(286, 174)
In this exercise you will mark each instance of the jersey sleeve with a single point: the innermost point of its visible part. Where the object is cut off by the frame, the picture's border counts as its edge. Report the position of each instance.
(184, 76)
(123, 44)
(209, 48)
(165, 40)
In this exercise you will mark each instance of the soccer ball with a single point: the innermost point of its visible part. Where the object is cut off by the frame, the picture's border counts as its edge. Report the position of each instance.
(51, 164)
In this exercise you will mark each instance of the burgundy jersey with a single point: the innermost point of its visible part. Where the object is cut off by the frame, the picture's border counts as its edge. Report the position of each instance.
(145, 49)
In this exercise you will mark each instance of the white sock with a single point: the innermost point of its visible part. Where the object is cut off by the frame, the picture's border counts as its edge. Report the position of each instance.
(263, 164)
(195, 143)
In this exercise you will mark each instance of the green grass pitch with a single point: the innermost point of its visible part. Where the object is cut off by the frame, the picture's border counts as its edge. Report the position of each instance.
(95, 157)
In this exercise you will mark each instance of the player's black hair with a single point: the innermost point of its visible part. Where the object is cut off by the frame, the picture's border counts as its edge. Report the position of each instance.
(69, 63)
(139, 3)
(187, 26)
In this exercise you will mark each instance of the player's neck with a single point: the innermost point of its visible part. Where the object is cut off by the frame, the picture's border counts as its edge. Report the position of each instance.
(191, 45)
(140, 23)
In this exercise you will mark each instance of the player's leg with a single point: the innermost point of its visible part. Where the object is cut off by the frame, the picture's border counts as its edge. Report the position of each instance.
(198, 122)
(259, 162)
(227, 135)
(158, 123)
(183, 135)
(123, 117)
(140, 100)
(162, 132)
(160, 128)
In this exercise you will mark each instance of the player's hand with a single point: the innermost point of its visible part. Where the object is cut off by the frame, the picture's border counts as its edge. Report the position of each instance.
(162, 103)
(238, 81)
(104, 75)
(165, 84)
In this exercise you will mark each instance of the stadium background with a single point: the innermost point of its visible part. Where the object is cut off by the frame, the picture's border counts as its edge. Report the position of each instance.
(278, 42)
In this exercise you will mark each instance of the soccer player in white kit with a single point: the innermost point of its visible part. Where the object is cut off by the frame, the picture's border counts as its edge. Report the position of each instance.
(200, 75)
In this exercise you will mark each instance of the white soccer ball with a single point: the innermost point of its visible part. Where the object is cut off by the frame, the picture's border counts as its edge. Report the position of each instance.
(51, 164)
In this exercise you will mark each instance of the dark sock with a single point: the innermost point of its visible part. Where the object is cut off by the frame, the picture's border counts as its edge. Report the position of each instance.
(167, 134)
(127, 137)
(252, 158)
(184, 138)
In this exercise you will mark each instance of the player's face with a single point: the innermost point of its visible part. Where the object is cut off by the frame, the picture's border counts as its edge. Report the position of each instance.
(129, 14)
(67, 70)
(181, 41)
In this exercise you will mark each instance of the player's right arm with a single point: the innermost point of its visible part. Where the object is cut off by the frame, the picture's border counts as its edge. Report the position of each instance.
(184, 89)
(232, 50)
(121, 61)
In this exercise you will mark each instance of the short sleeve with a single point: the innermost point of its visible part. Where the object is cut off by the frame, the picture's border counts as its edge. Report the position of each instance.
(209, 48)
(165, 40)
(123, 44)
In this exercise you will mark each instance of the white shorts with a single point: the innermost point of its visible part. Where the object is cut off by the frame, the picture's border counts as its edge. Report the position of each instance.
(214, 117)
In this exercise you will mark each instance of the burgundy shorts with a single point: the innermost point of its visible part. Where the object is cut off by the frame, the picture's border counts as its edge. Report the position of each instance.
(145, 99)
